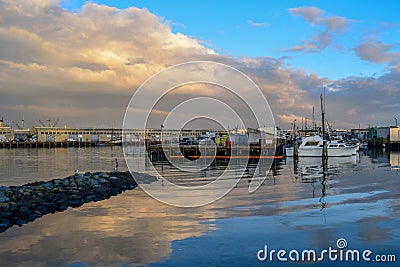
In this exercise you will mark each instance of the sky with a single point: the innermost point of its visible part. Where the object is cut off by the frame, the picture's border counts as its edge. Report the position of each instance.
(80, 62)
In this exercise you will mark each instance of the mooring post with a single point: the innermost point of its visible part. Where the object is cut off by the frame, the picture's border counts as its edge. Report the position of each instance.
(296, 150)
(324, 150)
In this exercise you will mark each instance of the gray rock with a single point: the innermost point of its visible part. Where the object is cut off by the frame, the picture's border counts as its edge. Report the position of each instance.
(102, 181)
(74, 197)
(42, 209)
(20, 222)
(104, 175)
(113, 179)
(52, 207)
(4, 206)
(80, 176)
(4, 224)
(41, 188)
(75, 203)
(90, 198)
(94, 182)
(13, 206)
(54, 190)
(74, 192)
(48, 186)
(62, 204)
(23, 213)
(4, 199)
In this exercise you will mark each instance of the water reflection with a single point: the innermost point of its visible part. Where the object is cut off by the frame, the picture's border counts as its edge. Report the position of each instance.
(304, 204)
(21, 166)
(130, 228)
(395, 161)
(314, 169)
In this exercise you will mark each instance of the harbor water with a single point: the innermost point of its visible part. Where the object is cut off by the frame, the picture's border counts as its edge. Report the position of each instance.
(302, 205)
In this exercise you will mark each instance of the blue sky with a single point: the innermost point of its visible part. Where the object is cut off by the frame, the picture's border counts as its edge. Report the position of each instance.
(81, 61)
(267, 29)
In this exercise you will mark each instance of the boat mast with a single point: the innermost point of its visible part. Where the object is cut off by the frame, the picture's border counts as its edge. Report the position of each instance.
(323, 117)
(325, 145)
(313, 120)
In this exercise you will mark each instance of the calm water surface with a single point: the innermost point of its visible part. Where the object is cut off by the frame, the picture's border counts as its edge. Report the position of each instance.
(301, 205)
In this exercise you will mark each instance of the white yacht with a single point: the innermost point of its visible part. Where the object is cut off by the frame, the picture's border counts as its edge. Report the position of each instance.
(312, 147)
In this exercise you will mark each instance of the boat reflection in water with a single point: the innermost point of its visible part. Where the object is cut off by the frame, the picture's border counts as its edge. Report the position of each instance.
(318, 171)
(312, 169)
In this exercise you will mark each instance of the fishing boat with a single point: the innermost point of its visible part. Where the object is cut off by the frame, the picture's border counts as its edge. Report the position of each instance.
(116, 142)
(312, 146)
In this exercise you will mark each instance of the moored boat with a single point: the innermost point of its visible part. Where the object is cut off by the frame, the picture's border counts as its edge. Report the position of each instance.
(312, 147)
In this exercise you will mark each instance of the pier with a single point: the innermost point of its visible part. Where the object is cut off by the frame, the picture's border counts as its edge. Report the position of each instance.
(157, 152)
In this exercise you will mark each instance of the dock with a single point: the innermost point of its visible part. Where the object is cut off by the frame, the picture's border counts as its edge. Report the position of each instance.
(192, 152)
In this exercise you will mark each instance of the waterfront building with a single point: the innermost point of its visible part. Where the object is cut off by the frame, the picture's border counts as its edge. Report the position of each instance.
(395, 134)
(360, 134)
(382, 133)
(6, 132)
(59, 134)
(23, 135)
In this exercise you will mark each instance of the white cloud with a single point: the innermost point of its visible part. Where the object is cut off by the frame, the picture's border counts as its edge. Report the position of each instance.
(257, 24)
(327, 28)
(377, 52)
(84, 66)
(98, 50)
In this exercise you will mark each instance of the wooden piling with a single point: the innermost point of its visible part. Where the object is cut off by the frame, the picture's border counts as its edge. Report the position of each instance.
(296, 150)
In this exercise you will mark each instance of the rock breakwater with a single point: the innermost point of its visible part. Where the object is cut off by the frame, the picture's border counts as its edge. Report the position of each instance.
(22, 204)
